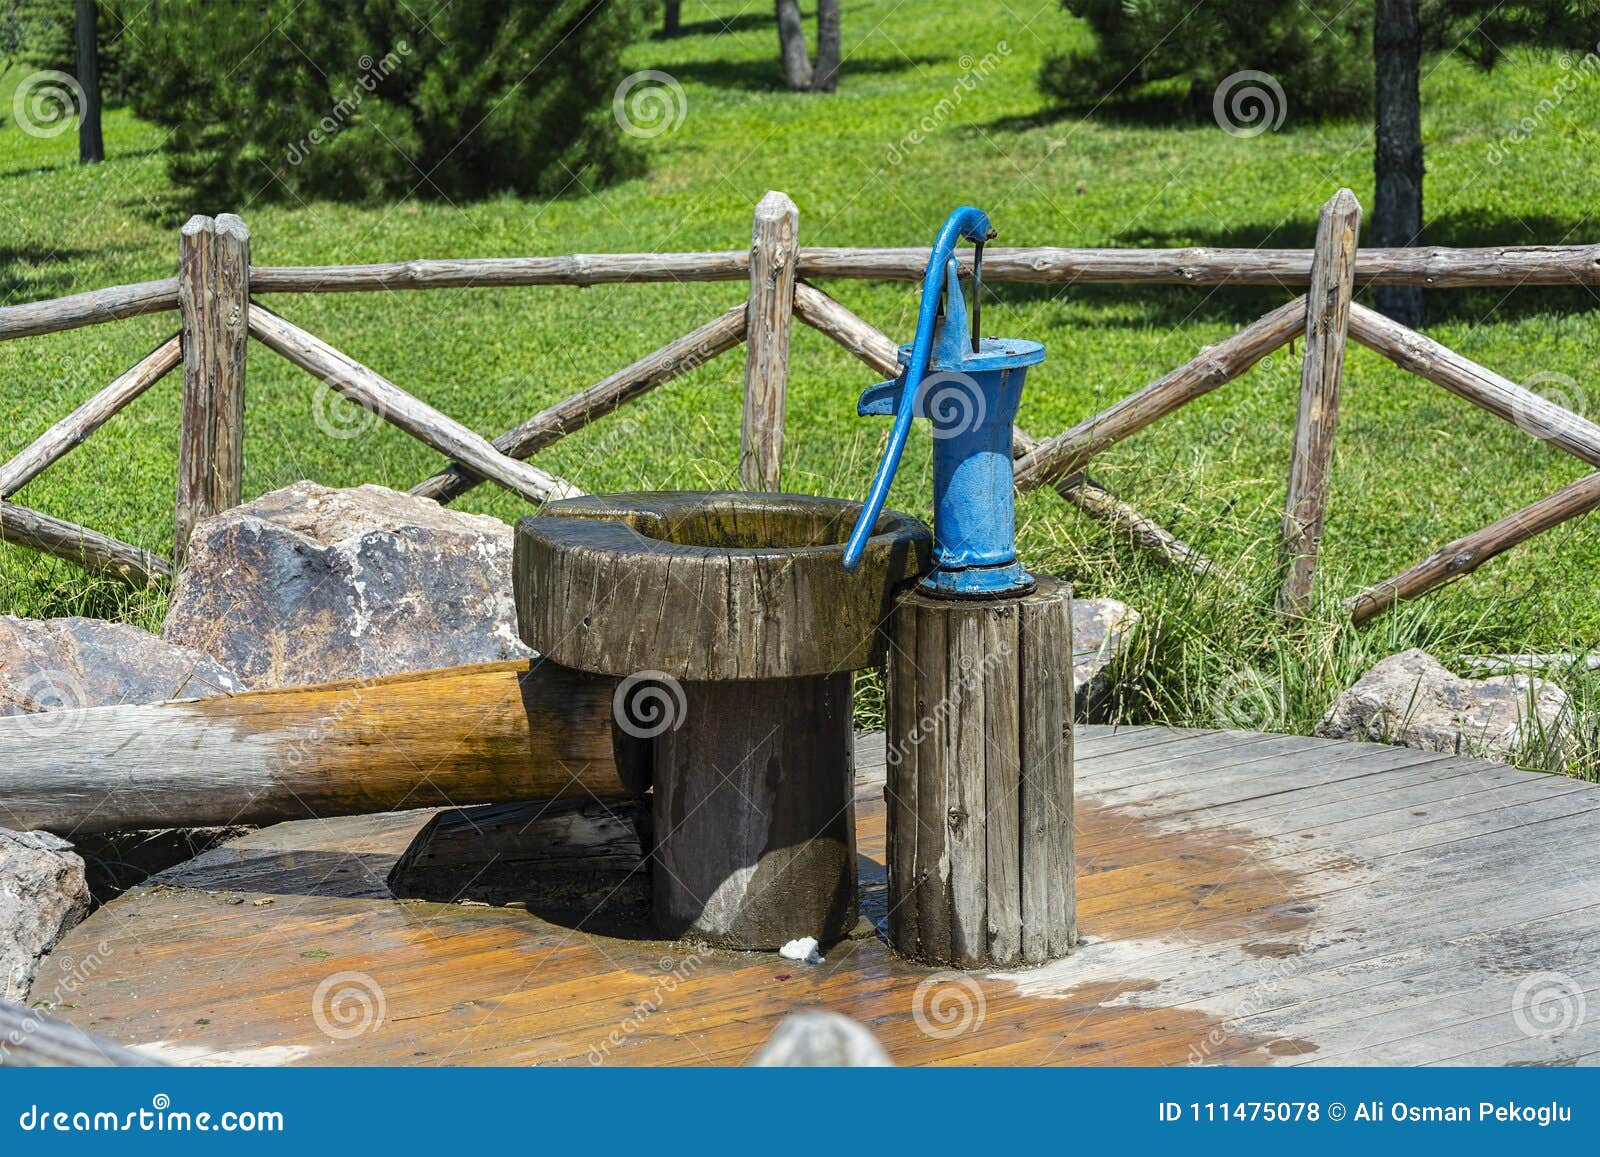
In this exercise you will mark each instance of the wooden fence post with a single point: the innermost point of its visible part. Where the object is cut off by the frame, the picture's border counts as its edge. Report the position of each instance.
(774, 256)
(1327, 322)
(214, 301)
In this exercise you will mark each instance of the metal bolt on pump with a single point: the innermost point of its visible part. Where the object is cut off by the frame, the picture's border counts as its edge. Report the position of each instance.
(969, 386)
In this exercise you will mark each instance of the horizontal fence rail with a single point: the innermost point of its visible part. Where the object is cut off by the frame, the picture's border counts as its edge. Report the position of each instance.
(580, 269)
(1438, 268)
(214, 293)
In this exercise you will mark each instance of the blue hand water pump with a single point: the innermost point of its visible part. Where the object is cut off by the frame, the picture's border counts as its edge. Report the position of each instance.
(970, 387)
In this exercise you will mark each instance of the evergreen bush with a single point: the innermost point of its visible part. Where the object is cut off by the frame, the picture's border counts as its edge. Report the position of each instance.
(358, 100)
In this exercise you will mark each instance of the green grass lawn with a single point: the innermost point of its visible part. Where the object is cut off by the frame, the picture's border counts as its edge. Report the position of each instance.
(1415, 467)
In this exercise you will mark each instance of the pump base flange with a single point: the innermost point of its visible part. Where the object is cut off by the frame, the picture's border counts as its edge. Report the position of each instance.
(1007, 580)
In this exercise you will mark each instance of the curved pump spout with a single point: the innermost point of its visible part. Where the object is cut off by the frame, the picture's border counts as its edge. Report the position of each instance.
(970, 387)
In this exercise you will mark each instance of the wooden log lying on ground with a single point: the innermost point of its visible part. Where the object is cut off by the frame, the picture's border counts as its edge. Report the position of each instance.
(102, 554)
(1436, 267)
(487, 733)
(1467, 554)
(69, 433)
(1482, 387)
(30, 1039)
(551, 425)
(1216, 365)
(92, 308)
(874, 348)
(376, 394)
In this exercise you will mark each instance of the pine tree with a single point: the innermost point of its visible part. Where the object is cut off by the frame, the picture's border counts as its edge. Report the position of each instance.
(356, 100)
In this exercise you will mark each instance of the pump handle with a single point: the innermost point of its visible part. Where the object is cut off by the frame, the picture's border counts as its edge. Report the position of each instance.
(965, 222)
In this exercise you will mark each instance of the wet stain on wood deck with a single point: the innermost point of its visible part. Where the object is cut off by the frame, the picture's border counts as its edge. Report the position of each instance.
(1245, 899)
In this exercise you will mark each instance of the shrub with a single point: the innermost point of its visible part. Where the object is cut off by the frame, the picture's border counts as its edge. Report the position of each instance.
(1318, 51)
(1323, 62)
(356, 100)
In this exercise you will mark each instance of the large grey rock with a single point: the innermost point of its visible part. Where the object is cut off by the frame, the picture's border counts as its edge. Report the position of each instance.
(309, 584)
(1101, 629)
(42, 896)
(49, 664)
(1412, 700)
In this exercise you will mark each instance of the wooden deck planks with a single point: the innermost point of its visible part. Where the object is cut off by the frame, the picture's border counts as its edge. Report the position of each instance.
(1248, 900)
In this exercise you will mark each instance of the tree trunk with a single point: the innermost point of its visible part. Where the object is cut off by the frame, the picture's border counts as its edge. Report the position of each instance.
(1397, 154)
(797, 71)
(91, 147)
(826, 76)
(672, 19)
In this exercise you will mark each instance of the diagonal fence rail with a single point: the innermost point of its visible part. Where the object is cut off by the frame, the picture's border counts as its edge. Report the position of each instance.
(217, 287)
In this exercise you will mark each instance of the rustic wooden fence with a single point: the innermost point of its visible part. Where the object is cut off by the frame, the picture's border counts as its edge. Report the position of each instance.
(217, 289)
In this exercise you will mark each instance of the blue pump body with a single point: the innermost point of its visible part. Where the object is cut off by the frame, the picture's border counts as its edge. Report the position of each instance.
(970, 392)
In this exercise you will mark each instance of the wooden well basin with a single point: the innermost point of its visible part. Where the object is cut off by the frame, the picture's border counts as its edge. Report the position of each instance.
(1247, 900)
(736, 612)
(715, 585)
